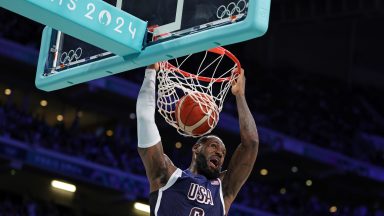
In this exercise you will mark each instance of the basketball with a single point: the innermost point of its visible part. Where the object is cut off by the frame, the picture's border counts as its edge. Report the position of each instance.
(196, 114)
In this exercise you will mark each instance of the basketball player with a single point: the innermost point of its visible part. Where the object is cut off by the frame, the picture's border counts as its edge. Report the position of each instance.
(202, 189)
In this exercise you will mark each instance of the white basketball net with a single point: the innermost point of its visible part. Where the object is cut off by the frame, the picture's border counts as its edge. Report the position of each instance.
(173, 85)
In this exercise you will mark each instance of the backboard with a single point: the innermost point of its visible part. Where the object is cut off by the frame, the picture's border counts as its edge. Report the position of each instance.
(175, 28)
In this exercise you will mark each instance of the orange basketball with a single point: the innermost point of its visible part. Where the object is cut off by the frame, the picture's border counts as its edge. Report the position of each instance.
(196, 113)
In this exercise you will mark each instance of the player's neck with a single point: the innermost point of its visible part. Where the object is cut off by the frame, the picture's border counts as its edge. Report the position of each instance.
(193, 169)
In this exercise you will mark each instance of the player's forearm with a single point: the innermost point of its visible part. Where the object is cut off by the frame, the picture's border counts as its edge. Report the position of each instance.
(248, 130)
(148, 134)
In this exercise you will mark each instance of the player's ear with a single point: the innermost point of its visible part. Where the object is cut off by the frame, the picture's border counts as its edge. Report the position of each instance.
(196, 148)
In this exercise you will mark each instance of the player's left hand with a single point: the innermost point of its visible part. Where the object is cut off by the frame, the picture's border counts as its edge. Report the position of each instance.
(238, 85)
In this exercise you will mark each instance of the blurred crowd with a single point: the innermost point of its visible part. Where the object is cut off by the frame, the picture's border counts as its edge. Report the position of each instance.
(318, 110)
(297, 199)
(118, 151)
(20, 29)
(14, 205)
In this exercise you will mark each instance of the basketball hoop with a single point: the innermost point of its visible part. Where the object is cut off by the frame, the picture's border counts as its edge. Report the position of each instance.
(215, 70)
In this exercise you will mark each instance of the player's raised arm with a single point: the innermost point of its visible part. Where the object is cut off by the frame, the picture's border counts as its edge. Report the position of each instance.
(157, 165)
(244, 157)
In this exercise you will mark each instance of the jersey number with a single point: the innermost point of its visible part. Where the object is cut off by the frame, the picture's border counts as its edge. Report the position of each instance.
(195, 211)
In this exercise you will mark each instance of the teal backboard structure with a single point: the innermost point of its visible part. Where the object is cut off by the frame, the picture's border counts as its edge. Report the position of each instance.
(126, 34)
(94, 20)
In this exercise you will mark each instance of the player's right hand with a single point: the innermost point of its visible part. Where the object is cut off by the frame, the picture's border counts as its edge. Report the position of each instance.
(155, 66)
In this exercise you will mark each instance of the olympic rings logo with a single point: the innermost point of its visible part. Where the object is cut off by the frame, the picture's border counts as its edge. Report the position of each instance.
(71, 55)
(231, 9)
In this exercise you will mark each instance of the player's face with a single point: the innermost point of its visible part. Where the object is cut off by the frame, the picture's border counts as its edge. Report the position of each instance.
(211, 157)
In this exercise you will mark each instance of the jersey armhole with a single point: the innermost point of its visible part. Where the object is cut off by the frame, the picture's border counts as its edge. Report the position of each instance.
(175, 175)
(221, 196)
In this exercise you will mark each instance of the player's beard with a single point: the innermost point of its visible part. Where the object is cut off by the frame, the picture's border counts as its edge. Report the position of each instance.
(203, 169)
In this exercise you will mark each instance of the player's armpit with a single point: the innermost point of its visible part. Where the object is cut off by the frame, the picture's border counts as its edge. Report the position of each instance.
(239, 169)
(157, 165)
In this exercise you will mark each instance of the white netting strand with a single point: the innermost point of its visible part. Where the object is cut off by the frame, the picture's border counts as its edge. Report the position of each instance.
(206, 84)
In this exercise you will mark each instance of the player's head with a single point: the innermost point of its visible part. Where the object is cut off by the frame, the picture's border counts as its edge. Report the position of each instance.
(208, 156)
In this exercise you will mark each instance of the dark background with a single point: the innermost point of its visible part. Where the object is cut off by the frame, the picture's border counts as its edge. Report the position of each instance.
(314, 85)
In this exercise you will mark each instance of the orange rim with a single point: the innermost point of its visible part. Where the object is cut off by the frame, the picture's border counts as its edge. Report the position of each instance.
(217, 50)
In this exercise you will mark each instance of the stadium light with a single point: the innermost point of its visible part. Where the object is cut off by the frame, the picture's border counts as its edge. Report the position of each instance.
(63, 186)
(60, 118)
(178, 145)
(294, 169)
(109, 133)
(263, 172)
(43, 103)
(142, 207)
(333, 209)
(7, 91)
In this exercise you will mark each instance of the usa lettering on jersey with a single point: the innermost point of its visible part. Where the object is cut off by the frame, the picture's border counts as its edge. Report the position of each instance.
(200, 194)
